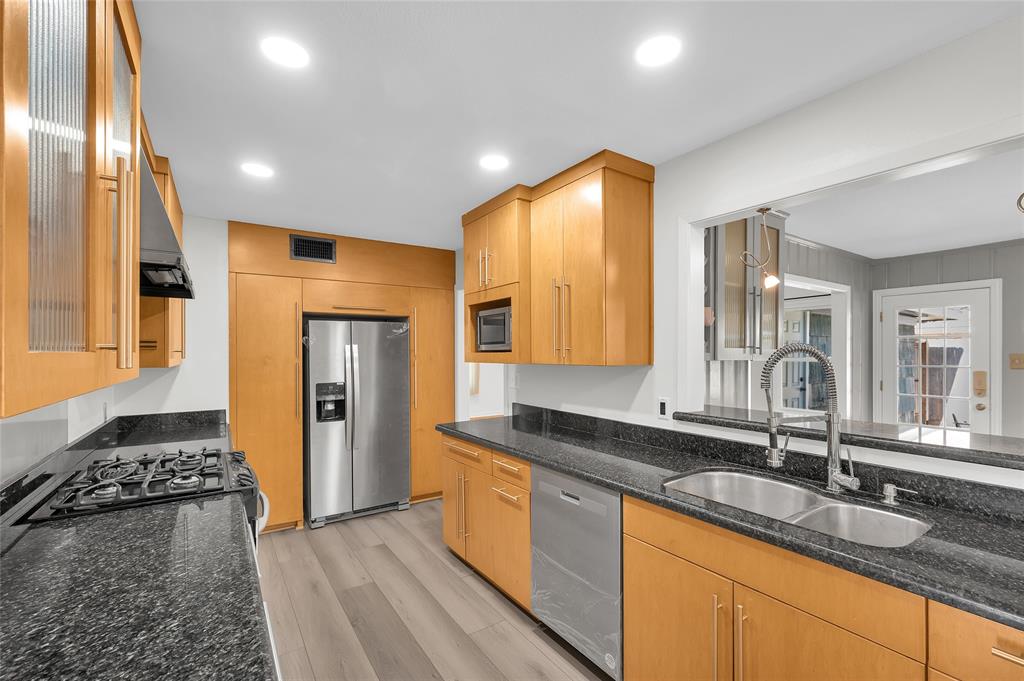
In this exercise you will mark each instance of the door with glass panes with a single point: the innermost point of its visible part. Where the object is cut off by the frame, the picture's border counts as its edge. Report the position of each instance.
(936, 379)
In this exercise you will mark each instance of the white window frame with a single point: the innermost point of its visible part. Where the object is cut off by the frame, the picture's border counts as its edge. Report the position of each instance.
(995, 292)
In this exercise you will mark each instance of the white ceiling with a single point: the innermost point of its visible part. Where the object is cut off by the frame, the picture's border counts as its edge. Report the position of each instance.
(380, 135)
(966, 205)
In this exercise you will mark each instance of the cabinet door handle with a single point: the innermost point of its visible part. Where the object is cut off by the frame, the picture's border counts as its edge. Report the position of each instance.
(415, 361)
(1009, 657)
(514, 469)
(480, 267)
(359, 307)
(467, 452)
(465, 531)
(715, 607)
(487, 266)
(566, 313)
(458, 504)
(505, 494)
(556, 294)
(740, 619)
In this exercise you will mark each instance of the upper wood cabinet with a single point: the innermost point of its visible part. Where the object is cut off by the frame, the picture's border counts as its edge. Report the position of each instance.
(70, 199)
(161, 332)
(496, 245)
(590, 252)
(583, 268)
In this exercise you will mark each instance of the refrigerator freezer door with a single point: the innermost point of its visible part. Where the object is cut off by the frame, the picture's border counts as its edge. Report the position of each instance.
(380, 463)
(329, 459)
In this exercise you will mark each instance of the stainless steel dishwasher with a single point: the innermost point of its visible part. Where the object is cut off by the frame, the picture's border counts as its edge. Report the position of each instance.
(576, 533)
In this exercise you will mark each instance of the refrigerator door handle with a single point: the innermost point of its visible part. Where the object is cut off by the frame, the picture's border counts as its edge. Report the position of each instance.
(356, 407)
(349, 401)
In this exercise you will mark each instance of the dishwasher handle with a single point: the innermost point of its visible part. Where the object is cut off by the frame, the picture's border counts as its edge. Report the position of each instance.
(569, 496)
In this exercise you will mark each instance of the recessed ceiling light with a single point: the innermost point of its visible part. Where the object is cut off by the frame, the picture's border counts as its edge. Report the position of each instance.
(284, 52)
(257, 170)
(494, 162)
(658, 51)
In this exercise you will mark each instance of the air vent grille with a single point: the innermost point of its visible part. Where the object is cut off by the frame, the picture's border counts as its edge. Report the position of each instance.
(312, 248)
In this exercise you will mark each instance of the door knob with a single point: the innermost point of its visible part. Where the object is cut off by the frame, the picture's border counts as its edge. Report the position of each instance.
(979, 406)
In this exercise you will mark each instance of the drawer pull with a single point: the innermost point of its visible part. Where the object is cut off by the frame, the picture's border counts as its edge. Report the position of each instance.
(359, 307)
(514, 469)
(467, 452)
(505, 494)
(1009, 657)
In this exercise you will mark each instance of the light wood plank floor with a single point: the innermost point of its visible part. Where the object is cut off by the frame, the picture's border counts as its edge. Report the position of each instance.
(381, 598)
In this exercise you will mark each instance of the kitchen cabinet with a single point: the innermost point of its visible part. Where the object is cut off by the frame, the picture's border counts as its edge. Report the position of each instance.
(431, 384)
(972, 648)
(509, 511)
(677, 617)
(496, 245)
(486, 519)
(161, 332)
(354, 298)
(773, 640)
(266, 321)
(590, 264)
(70, 201)
(747, 314)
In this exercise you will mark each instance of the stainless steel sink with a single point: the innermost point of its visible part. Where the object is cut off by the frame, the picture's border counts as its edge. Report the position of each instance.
(802, 507)
(862, 524)
(750, 492)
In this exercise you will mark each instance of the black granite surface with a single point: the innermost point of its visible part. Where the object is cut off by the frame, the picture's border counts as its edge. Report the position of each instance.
(972, 561)
(989, 450)
(167, 591)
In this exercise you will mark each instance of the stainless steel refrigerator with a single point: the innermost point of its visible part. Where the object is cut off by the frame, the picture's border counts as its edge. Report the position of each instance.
(357, 417)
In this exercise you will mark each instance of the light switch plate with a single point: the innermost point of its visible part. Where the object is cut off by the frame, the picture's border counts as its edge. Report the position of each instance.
(1017, 360)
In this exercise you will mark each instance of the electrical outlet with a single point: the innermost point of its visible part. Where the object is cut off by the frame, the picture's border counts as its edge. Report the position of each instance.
(663, 411)
(1017, 360)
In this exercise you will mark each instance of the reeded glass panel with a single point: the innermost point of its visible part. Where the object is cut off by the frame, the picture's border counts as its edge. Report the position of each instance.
(734, 273)
(124, 83)
(57, 31)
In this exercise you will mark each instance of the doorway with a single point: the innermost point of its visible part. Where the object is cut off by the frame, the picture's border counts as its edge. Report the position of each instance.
(933, 353)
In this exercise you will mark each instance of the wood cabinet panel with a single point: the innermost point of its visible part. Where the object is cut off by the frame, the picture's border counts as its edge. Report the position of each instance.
(510, 534)
(432, 383)
(347, 297)
(774, 641)
(628, 269)
(510, 469)
(935, 675)
(474, 248)
(268, 382)
(546, 278)
(518, 295)
(451, 504)
(476, 518)
(972, 648)
(260, 249)
(468, 453)
(677, 617)
(583, 265)
(501, 260)
(882, 613)
(161, 332)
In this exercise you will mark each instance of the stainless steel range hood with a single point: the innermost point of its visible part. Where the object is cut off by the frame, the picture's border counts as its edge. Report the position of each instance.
(163, 270)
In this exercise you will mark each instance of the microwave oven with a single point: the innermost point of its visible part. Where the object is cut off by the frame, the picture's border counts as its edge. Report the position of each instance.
(494, 330)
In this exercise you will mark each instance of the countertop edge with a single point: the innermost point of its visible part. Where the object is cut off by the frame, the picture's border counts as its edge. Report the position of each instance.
(870, 570)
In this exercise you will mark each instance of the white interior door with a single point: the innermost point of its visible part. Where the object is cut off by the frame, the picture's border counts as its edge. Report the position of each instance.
(935, 370)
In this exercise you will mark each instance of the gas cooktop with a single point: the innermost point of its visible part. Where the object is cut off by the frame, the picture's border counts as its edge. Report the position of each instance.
(126, 481)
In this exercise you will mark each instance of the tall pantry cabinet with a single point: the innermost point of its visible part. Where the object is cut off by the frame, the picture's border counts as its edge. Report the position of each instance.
(70, 158)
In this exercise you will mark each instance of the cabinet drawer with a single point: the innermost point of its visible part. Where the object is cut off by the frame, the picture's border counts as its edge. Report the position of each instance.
(510, 469)
(468, 453)
(879, 612)
(347, 297)
(972, 648)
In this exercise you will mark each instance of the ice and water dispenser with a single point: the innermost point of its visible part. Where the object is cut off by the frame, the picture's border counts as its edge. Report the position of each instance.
(330, 402)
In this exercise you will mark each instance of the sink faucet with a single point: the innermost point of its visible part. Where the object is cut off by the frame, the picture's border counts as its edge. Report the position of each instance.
(837, 480)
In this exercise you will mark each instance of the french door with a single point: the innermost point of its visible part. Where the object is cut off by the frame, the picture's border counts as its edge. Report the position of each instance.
(935, 354)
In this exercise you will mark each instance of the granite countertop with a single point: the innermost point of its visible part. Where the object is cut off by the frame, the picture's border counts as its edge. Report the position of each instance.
(972, 562)
(164, 591)
(989, 450)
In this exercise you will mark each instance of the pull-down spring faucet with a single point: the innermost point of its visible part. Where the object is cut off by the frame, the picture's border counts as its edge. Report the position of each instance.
(837, 480)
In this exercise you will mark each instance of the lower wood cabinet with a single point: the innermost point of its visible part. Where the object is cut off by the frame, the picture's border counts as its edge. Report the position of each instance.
(677, 617)
(972, 648)
(486, 520)
(775, 641)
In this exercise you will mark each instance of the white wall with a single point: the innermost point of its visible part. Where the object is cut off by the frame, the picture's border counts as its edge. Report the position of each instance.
(201, 381)
(490, 400)
(961, 95)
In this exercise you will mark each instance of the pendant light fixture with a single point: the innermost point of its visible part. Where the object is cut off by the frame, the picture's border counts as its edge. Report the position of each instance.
(748, 259)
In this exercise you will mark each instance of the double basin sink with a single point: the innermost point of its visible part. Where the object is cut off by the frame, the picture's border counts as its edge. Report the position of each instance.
(802, 507)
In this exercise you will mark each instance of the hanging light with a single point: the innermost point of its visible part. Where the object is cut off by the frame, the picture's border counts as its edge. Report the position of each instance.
(748, 259)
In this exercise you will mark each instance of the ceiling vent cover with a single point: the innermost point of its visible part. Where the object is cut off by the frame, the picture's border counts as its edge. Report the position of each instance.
(313, 248)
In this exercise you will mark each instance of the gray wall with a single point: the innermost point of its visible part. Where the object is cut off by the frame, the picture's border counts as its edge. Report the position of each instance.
(726, 381)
